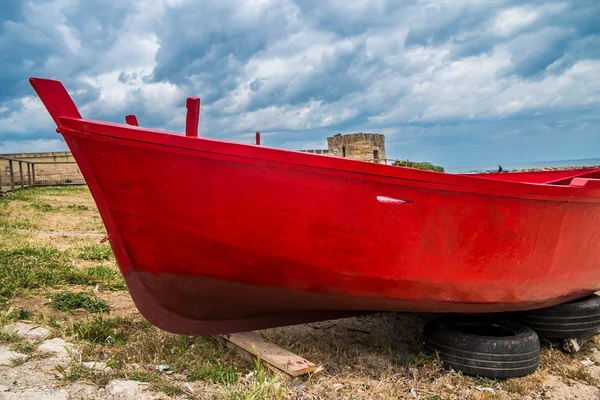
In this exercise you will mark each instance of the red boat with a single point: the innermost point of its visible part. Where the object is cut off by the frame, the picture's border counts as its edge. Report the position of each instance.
(219, 237)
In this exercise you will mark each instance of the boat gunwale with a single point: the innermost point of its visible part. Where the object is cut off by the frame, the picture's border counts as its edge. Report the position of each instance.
(382, 173)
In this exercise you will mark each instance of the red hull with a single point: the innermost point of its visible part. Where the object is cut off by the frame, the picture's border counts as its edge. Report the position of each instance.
(217, 237)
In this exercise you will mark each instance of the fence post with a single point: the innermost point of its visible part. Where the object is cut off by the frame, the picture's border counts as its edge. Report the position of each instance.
(21, 174)
(28, 175)
(33, 174)
(12, 175)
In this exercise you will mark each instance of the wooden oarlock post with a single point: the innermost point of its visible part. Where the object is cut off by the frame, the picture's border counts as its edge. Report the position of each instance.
(131, 119)
(258, 138)
(192, 118)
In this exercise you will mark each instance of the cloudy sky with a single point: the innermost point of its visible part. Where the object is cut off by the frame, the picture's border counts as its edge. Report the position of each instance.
(461, 83)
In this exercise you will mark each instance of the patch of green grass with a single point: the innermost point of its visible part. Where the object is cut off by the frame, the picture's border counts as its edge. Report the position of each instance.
(142, 376)
(78, 207)
(29, 267)
(43, 207)
(25, 268)
(99, 330)
(213, 373)
(65, 301)
(95, 252)
(107, 277)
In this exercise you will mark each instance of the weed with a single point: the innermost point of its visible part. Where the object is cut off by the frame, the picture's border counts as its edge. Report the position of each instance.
(65, 301)
(24, 347)
(23, 314)
(100, 330)
(95, 252)
(142, 376)
(213, 373)
(77, 371)
(14, 362)
(8, 336)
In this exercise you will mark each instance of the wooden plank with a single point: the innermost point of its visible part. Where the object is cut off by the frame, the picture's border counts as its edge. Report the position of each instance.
(12, 176)
(274, 355)
(21, 174)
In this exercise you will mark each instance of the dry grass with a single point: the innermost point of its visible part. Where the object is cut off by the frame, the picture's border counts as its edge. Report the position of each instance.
(374, 356)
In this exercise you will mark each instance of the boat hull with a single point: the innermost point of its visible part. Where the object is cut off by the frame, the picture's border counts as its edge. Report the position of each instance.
(209, 243)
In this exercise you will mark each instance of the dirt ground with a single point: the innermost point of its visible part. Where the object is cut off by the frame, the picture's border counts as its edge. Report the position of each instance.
(69, 330)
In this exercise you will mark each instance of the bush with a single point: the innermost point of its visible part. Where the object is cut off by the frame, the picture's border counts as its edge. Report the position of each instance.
(419, 165)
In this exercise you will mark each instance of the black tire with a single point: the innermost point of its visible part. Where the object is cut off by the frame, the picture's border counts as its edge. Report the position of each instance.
(484, 347)
(576, 319)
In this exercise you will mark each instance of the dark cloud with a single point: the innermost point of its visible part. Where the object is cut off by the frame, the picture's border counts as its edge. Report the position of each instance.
(455, 82)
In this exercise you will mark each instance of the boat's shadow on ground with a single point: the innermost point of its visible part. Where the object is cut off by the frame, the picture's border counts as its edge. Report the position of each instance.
(369, 344)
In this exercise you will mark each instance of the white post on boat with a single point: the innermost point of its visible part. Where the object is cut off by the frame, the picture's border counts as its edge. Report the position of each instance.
(193, 116)
(258, 138)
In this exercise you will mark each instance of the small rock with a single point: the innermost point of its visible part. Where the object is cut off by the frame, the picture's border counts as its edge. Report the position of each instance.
(28, 331)
(162, 367)
(56, 346)
(555, 388)
(571, 345)
(97, 365)
(6, 355)
(587, 362)
(124, 389)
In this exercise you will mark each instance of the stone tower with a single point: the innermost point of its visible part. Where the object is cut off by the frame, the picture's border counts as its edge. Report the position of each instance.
(358, 146)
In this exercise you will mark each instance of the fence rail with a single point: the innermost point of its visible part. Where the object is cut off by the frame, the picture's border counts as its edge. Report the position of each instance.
(21, 174)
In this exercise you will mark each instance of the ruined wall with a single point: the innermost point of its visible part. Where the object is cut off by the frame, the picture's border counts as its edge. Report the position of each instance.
(358, 146)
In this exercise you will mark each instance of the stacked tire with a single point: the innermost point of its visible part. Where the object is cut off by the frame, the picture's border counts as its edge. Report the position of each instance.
(576, 319)
(485, 347)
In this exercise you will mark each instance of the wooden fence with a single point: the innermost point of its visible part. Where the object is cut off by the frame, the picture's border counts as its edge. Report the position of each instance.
(22, 174)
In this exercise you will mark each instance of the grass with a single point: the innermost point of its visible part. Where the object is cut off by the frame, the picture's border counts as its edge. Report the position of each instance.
(29, 267)
(100, 330)
(76, 371)
(43, 207)
(78, 207)
(215, 373)
(95, 252)
(66, 301)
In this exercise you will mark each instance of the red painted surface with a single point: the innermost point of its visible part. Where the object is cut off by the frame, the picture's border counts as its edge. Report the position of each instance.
(192, 117)
(218, 237)
(131, 119)
(556, 177)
